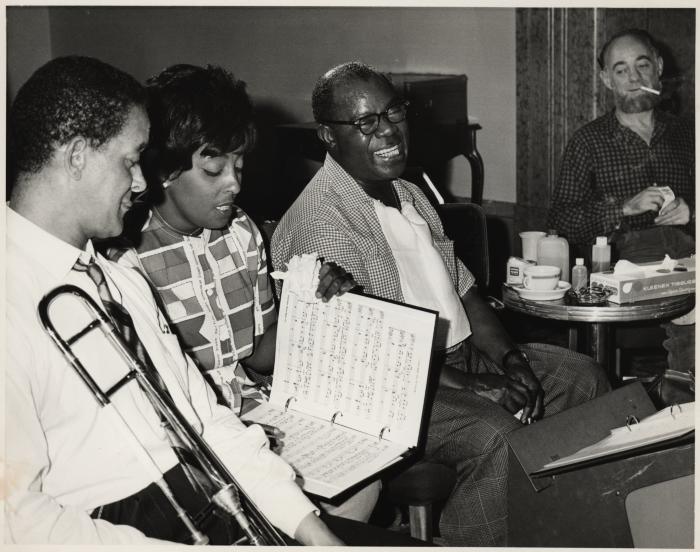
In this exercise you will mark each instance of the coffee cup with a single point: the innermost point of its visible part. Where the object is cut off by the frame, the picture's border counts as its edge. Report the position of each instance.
(541, 277)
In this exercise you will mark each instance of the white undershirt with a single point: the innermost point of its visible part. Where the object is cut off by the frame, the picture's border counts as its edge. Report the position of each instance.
(425, 281)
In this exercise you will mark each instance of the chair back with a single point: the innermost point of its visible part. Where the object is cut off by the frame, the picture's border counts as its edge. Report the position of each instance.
(465, 225)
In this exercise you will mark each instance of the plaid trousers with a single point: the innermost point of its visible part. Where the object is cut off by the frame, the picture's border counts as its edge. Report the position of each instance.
(467, 432)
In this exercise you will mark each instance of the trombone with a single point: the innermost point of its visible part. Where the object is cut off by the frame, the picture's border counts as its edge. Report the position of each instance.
(226, 493)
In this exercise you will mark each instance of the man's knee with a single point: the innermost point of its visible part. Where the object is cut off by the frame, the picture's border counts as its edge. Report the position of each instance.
(465, 426)
(566, 372)
(590, 376)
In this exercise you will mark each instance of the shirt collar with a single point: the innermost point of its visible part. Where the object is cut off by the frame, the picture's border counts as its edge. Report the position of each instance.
(661, 122)
(55, 256)
(349, 188)
(616, 128)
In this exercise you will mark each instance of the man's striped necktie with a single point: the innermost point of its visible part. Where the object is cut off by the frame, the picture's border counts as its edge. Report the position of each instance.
(124, 323)
(119, 315)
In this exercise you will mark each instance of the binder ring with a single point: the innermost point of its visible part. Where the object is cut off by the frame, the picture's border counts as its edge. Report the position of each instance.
(286, 403)
(631, 419)
(334, 416)
(382, 431)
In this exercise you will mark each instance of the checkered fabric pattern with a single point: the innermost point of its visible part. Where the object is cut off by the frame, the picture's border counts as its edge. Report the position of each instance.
(606, 163)
(468, 432)
(335, 218)
(217, 295)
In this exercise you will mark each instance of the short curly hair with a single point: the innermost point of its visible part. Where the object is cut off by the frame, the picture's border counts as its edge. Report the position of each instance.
(67, 97)
(189, 107)
(322, 100)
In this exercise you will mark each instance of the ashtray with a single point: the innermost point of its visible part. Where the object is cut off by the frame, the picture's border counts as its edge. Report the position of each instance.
(592, 296)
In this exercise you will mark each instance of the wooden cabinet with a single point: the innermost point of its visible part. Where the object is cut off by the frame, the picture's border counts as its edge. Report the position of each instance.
(434, 98)
(439, 124)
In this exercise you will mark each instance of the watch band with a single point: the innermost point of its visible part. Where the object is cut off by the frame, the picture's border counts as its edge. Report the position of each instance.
(511, 352)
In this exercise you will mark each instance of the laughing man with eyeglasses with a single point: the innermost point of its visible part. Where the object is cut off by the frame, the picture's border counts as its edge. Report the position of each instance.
(358, 212)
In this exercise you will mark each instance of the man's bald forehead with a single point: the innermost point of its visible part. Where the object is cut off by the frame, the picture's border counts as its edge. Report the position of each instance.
(625, 40)
(637, 35)
(333, 87)
(344, 91)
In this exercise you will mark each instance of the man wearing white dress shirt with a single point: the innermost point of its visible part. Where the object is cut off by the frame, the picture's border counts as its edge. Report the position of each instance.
(76, 130)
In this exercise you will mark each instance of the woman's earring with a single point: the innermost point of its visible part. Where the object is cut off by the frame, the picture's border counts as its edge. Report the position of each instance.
(166, 184)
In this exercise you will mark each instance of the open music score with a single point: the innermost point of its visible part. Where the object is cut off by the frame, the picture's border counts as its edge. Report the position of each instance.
(327, 457)
(349, 385)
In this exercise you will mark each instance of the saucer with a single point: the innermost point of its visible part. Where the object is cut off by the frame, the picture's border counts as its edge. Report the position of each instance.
(543, 294)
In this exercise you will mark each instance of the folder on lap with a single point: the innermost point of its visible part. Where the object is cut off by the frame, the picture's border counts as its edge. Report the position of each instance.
(349, 386)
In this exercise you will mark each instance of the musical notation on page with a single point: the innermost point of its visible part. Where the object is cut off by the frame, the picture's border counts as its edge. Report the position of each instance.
(326, 456)
(349, 357)
(359, 361)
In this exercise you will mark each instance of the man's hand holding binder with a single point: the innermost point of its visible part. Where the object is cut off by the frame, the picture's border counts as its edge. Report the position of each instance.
(509, 393)
(333, 280)
(517, 367)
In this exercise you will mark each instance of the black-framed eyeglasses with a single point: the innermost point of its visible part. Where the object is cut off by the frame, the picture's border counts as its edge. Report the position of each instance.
(368, 124)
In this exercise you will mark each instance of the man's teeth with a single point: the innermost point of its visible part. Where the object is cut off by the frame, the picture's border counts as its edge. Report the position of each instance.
(388, 153)
(223, 208)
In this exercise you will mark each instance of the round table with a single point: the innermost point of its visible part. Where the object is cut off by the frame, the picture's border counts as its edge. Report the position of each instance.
(599, 317)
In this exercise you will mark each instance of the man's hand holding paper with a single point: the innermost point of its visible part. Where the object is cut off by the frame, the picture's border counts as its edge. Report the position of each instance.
(333, 280)
(652, 198)
(673, 213)
(310, 278)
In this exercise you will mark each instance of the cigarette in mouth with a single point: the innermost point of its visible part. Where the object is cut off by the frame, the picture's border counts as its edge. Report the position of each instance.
(650, 90)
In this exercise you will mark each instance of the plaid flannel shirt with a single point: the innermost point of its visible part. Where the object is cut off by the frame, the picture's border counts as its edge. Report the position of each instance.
(606, 163)
(216, 292)
(335, 218)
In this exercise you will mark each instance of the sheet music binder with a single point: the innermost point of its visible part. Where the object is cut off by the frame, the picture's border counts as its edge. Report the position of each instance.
(349, 387)
(380, 434)
(671, 425)
(565, 433)
(584, 504)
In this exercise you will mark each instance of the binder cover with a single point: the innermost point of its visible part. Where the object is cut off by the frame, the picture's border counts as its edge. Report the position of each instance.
(587, 507)
(584, 504)
(567, 432)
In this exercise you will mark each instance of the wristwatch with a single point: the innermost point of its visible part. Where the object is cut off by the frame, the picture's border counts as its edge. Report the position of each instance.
(514, 352)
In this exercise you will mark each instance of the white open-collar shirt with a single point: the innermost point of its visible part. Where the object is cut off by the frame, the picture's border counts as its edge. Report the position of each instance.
(65, 455)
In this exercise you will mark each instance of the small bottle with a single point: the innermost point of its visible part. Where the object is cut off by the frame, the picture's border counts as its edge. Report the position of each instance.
(554, 251)
(600, 259)
(579, 275)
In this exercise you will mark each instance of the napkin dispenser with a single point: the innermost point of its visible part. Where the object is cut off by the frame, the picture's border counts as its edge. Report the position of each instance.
(637, 282)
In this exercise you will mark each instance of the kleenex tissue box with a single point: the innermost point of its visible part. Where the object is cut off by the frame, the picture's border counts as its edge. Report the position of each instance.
(647, 280)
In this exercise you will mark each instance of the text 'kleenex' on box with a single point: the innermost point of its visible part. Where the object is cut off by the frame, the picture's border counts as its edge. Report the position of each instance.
(642, 281)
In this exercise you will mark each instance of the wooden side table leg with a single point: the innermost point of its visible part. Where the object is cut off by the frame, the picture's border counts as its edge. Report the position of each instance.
(573, 338)
(599, 349)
